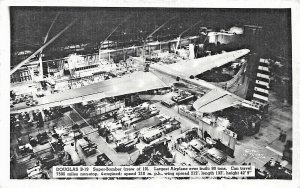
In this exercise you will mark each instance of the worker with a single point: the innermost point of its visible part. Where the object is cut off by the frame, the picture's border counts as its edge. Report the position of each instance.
(280, 136)
(272, 162)
(40, 120)
(283, 138)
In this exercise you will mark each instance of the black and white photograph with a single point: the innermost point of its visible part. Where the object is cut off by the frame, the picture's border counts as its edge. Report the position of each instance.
(180, 93)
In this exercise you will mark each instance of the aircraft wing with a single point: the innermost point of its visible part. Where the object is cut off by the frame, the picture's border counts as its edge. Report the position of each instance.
(200, 65)
(131, 83)
(215, 100)
(218, 98)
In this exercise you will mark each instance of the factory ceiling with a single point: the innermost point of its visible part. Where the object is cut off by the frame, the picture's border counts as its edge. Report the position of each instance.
(29, 25)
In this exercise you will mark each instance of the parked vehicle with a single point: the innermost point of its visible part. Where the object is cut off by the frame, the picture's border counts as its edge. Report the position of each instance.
(152, 135)
(168, 103)
(201, 160)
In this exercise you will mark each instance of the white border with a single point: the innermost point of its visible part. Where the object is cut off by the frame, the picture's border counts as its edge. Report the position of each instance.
(4, 94)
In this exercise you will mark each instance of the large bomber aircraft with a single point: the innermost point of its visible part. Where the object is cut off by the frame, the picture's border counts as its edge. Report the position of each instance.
(216, 99)
(145, 81)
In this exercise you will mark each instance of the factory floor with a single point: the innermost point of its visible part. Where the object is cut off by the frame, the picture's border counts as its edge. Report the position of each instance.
(257, 149)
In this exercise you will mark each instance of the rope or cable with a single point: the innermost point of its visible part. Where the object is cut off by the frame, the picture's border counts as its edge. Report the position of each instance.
(41, 48)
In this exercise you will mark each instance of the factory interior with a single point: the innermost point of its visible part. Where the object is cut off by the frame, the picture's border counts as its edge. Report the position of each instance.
(150, 87)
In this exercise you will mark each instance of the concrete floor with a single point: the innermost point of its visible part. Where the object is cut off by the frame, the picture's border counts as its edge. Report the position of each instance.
(257, 149)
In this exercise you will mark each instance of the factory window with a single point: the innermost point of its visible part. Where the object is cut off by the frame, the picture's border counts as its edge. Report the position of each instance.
(87, 67)
(261, 86)
(263, 79)
(263, 72)
(261, 93)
